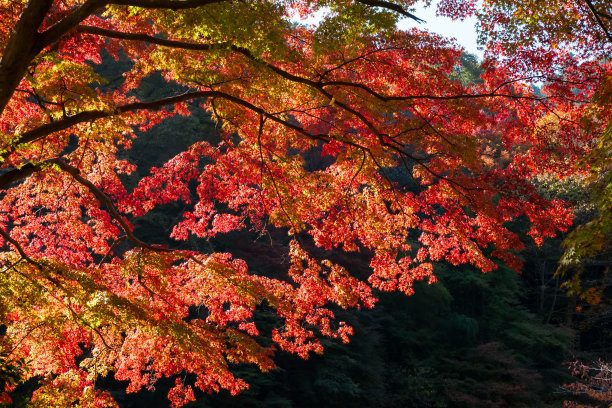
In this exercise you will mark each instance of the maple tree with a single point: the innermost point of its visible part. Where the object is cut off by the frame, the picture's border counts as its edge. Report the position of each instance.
(592, 384)
(82, 296)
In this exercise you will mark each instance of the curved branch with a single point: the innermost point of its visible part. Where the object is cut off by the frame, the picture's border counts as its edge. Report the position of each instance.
(165, 4)
(596, 14)
(319, 85)
(391, 6)
(80, 13)
(91, 6)
(49, 128)
(14, 175)
(18, 247)
(30, 168)
(89, 116)
(12, 265)
(76, 175)
(121, 35)
(26, 42)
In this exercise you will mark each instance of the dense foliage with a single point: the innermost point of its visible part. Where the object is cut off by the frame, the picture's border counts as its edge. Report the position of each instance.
(355, 138)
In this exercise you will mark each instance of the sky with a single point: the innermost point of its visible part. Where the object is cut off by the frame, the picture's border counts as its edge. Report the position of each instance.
(463, 31)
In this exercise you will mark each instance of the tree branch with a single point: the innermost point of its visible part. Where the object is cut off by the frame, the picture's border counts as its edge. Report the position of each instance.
(150, 39)
(49, 128)
(89, 7)
(110, 250)
(596, 14)
(391, 6)
(12, 265)
(76, 175)
(89, 116)
(67, 23)
(287, 75)
(17, 174)
(30, 168)
(165, 4)
(25, 42)
(18, 247)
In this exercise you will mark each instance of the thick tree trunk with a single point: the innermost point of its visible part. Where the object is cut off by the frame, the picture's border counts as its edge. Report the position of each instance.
(21, 48)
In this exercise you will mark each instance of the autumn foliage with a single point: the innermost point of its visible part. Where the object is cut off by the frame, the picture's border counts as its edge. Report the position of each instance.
(592, 384)
(82, 296)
